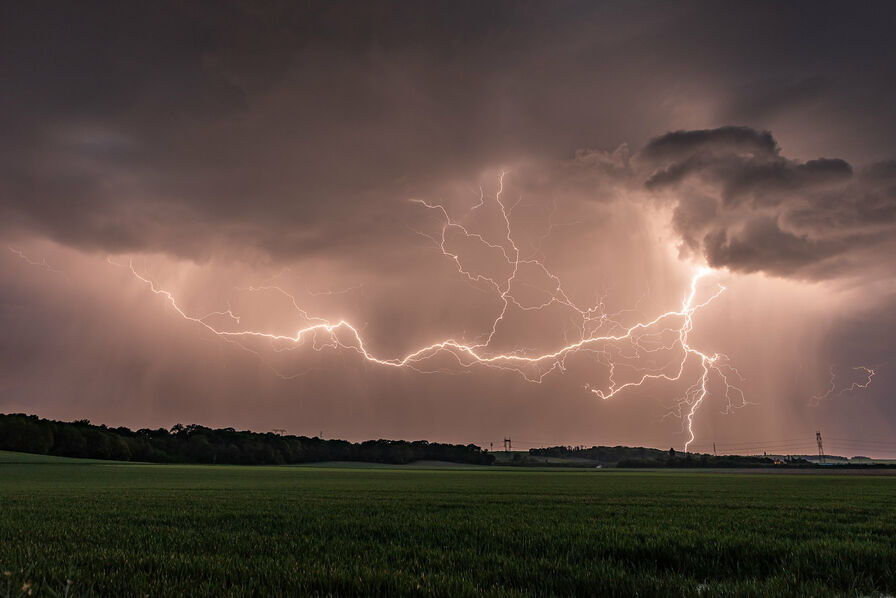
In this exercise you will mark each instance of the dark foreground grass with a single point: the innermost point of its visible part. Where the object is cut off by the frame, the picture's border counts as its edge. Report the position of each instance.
(136, 530)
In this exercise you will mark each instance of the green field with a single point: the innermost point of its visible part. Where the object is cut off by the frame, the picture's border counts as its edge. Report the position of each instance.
(100, 528)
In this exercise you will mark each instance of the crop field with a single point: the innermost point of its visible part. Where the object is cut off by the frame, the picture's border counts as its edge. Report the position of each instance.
(75, 528)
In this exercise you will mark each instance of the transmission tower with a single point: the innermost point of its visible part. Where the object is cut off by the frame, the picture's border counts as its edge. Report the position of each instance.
(508, 446)
(820, 447)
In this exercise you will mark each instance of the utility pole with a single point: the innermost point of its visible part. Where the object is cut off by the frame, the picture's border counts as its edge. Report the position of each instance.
(820, 448)
(491, 446)
(508, 446)
(714, 449)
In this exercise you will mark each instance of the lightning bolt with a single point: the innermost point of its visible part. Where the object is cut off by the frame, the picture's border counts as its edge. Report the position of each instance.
(616, 346)
(832, 391)
(42, 264)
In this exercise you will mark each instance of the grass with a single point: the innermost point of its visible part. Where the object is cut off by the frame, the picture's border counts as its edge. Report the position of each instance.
(29, 458)
(92, 528)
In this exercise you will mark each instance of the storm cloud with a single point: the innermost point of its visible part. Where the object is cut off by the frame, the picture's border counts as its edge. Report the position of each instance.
(748, 208)
(224, 146)
(291, 129)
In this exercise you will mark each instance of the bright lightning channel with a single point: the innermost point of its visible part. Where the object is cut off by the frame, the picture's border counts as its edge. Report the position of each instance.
(833, 392)
(599, 333)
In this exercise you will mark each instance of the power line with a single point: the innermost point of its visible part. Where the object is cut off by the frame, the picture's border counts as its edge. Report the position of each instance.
(804, 445)
(874, 442)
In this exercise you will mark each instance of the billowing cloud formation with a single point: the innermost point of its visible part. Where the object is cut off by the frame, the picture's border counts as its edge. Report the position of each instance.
(291, 130)
(747, 207)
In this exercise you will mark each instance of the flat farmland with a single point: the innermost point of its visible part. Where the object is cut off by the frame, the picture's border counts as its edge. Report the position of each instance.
(70, 527)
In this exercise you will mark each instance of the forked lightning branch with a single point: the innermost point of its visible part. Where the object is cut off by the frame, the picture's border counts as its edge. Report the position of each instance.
(613, 345)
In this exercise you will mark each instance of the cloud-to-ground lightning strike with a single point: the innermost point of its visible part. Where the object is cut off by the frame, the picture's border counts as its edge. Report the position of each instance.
(833, 392)
(614, 345)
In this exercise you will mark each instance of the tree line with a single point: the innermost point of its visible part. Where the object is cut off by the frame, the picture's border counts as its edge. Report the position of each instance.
(607, 455)
(199, 444)
(639, 456)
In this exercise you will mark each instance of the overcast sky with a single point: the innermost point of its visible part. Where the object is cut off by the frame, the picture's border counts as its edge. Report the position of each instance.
(226, 149)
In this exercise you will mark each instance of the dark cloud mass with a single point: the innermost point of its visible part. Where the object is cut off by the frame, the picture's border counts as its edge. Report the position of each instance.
(266, 125)
(748, 208)
(229, 143)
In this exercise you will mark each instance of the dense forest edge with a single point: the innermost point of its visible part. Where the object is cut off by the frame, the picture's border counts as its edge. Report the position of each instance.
(198, 444)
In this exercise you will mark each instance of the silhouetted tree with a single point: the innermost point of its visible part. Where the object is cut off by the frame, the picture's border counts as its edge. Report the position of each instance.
(198, 444)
